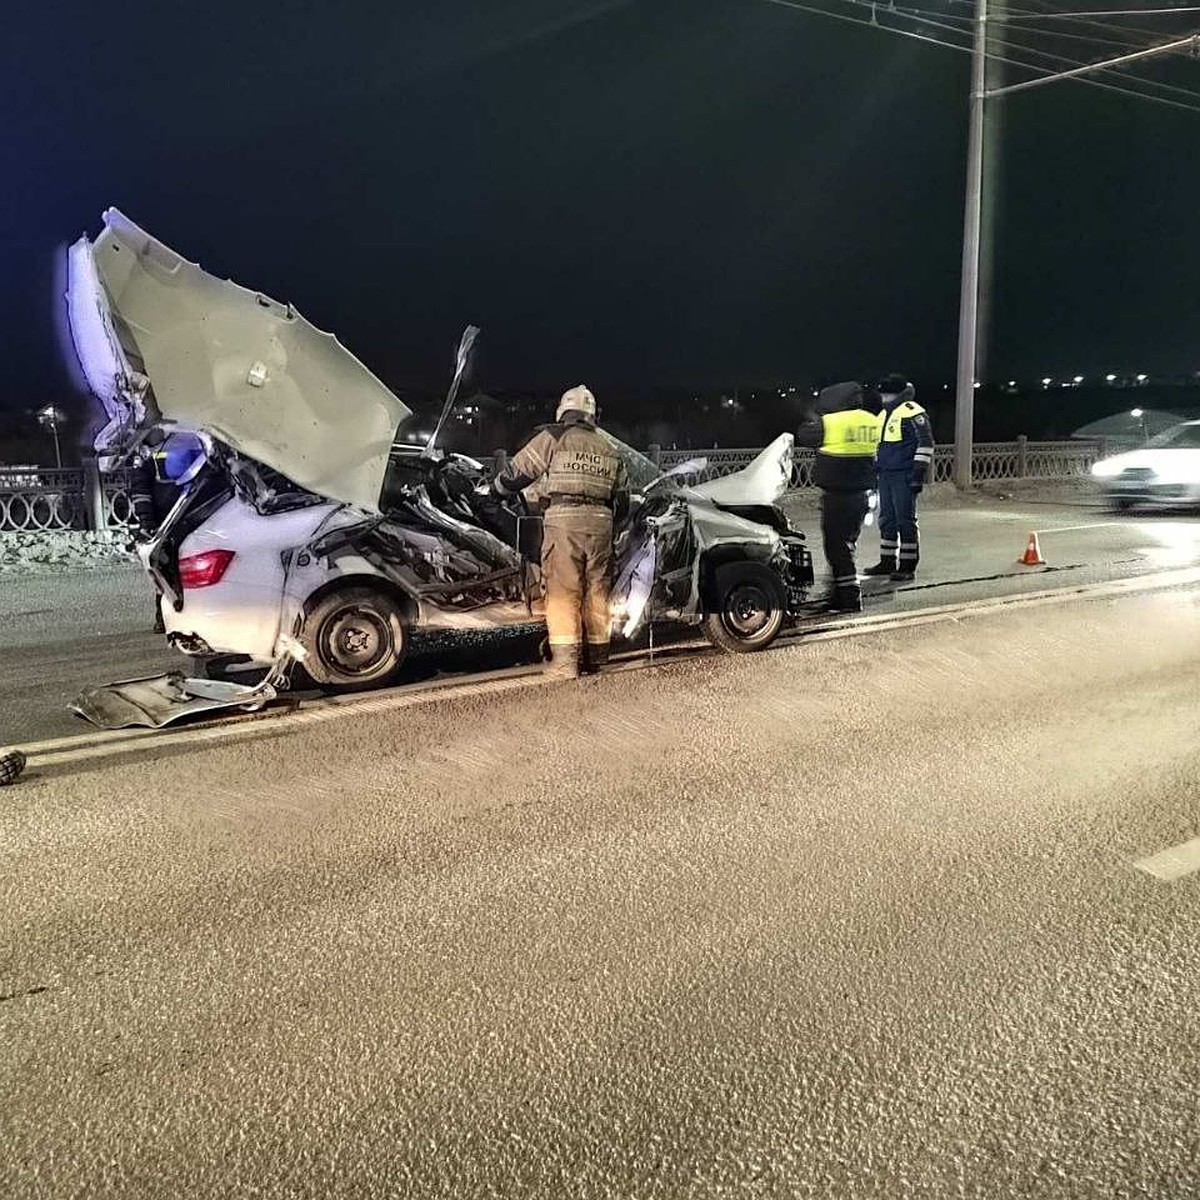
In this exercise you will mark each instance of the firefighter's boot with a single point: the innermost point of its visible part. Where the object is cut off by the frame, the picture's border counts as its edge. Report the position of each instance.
(597, 657)
(564, 662)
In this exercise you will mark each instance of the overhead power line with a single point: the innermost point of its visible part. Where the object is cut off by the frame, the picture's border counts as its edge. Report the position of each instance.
(1012, 17)
(985, 36)
(1191, 41)
(1113, 12)
(1045, 12)
(1074, 73)
(924, 14)
(1117, 70)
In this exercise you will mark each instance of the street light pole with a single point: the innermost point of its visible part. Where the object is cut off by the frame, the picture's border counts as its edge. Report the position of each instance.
(968, 311)
(49, 416)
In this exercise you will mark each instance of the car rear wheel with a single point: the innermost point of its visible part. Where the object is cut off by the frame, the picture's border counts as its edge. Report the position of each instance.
(354, 638)
(748, 607)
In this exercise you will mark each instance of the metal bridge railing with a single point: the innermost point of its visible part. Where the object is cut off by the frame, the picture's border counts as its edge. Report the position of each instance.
(990, 461)
(40, 499)
(50, 499)
(37, 499)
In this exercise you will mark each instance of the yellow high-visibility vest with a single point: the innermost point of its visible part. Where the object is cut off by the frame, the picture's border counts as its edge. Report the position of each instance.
(892, 430)
(853, 434)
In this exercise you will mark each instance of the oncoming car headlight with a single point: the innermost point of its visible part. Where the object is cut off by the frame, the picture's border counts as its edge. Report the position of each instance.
(1106, 468)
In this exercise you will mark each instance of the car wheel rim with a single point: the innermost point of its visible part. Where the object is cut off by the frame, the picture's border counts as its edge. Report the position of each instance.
(356, 641)
(747, 610)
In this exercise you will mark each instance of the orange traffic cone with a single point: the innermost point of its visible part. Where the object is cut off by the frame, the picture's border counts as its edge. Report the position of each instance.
(1033, 552)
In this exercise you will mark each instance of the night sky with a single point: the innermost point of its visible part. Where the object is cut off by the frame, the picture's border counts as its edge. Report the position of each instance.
(699, 192)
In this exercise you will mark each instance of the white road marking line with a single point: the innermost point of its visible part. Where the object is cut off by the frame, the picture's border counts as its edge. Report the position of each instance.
(1174, 863)
(102, 744)
(1072, 528)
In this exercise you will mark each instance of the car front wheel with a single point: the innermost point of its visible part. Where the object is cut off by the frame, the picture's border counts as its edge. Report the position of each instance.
(354, 638)
(747, 609)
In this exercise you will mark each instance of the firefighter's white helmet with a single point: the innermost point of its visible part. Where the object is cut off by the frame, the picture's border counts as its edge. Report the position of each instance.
(577, 399)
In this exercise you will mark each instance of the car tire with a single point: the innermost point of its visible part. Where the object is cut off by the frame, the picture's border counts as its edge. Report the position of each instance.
(354, 638)
(747, 609)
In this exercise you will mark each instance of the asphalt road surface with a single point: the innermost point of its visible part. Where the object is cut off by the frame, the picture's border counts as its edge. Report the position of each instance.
(850, 919)
(62, 632)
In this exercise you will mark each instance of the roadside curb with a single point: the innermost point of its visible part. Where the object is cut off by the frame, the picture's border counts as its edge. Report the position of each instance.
(77, 752)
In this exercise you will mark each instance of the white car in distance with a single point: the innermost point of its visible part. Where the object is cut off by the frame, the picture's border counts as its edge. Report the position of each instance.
(1163, 473)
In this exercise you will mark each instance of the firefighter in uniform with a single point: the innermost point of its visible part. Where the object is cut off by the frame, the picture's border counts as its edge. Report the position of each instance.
(904, 460)
(149, 507)
(143, 480)
(586, 486)
(153, 490)
(845, 435)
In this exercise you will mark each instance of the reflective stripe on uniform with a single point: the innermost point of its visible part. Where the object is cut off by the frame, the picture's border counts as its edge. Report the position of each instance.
(853, 434)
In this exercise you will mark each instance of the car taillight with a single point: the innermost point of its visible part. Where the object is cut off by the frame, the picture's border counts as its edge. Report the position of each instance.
(204, 569)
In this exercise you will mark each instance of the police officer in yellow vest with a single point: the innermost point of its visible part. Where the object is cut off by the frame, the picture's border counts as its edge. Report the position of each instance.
(587, 486)
(904, 461)
(845, 434)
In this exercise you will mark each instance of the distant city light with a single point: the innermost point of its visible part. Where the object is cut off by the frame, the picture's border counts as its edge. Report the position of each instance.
(1012, 383)
(1078, 379)
(1110, 378)
(1047, 381)
(1142, 378)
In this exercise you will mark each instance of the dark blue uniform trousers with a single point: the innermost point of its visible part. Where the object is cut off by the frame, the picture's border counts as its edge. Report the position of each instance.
(899, 531)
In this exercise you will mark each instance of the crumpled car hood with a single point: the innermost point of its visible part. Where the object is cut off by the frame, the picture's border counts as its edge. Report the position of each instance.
(161, 341)
(762, 481)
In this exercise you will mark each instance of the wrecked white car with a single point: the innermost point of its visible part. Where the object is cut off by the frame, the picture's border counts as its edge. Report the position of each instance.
(303, 532)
